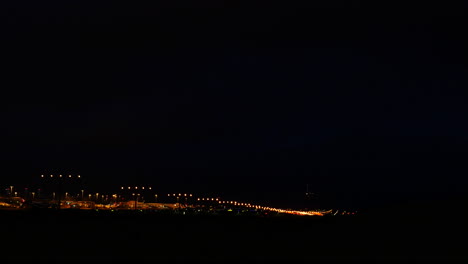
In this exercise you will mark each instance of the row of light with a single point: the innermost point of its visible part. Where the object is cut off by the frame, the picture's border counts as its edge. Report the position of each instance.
(207, 199)
(179, 195)
(60, 176)
(136, 188)
(274, 209)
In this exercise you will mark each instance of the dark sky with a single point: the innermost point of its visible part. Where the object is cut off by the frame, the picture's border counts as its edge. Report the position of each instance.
(243, 100)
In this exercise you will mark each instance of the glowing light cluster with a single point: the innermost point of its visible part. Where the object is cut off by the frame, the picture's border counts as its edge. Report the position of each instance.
(277, 210)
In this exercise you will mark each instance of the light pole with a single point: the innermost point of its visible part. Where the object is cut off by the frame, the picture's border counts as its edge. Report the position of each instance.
(155, 198)
(11, 191)
(82, 195)
(33, 193)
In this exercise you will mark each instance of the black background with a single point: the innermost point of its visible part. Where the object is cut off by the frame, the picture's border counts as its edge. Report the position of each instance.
(364, 102)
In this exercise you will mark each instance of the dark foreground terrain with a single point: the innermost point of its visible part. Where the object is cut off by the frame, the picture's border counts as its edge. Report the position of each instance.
(413, 232)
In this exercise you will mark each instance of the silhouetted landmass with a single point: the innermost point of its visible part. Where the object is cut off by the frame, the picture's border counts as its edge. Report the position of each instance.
(412, 231)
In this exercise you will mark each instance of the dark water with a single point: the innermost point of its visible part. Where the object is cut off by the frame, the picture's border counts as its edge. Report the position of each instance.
(142, 237)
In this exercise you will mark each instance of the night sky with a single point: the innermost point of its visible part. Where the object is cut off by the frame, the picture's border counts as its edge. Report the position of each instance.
(363, 102)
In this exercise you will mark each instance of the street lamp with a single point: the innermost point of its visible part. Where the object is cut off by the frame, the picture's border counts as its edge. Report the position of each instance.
(155, 198)
(82, 195)
(33, 193)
